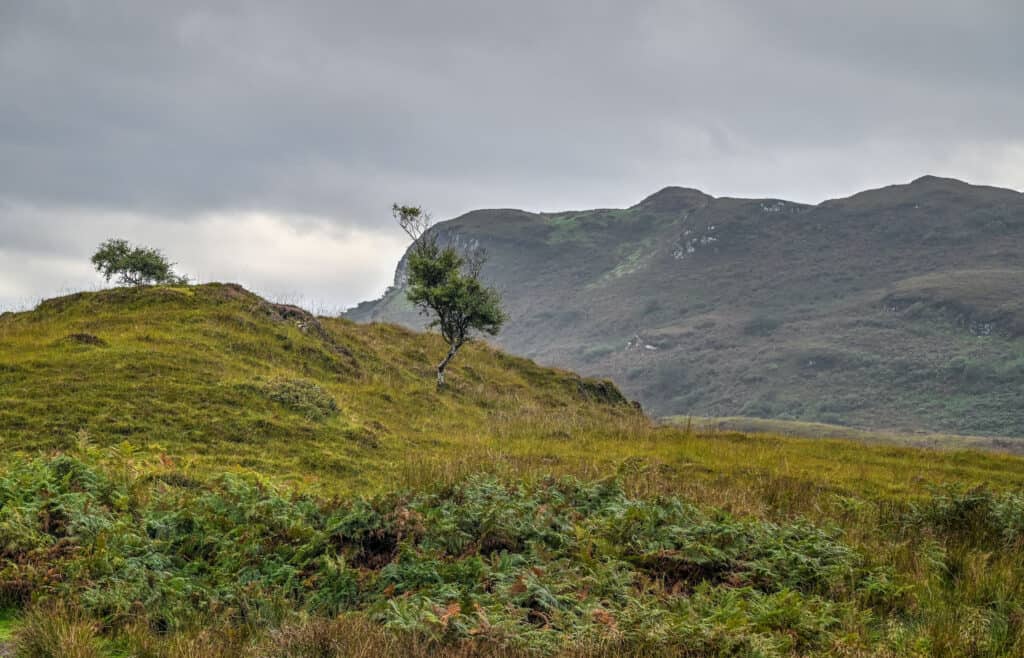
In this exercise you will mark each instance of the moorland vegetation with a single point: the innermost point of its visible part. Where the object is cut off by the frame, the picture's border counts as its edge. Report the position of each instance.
(196, 471)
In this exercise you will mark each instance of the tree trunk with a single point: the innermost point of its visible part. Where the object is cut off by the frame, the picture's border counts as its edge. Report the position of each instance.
(444, 364)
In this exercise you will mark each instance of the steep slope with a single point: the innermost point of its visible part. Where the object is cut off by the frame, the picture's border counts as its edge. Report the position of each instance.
(895, 308)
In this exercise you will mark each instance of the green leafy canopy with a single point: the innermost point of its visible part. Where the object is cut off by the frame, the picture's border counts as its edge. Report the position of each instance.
(134, 265)
(440, 284)
(446, 285)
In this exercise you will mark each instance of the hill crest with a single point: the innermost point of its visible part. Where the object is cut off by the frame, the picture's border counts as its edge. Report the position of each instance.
(215, 369)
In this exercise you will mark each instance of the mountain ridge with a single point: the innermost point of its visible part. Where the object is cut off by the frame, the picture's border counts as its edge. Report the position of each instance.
(670, 191)
(731, 294)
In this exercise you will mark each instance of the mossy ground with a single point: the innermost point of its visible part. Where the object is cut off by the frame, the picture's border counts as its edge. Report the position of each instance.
(7, 618)
(184, 386)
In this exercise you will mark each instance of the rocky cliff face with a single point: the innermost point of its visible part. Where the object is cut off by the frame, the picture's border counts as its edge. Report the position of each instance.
(897, 307)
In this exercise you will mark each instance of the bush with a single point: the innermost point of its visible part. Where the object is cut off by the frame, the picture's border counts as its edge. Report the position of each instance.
(593, 353)
(1012, 372)
(652, 306)
(134, 266)
(976, 517)
(304, 397)
(761, 325)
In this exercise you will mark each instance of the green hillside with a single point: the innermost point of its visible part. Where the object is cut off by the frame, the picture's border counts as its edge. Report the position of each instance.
(217, 376)
(806, 430)
(896, 309)
(194, 471)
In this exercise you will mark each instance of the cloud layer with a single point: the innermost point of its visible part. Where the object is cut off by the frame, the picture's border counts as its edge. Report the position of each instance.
(265, 141)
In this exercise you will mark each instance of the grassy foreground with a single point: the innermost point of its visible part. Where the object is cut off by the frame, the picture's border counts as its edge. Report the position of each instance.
(197, 472)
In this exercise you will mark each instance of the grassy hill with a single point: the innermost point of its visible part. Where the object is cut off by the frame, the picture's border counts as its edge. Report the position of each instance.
(216, 375)
(807, 430)
(896, 308)
(195, 471)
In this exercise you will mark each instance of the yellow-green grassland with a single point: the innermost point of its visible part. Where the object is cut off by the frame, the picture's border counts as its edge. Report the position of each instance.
(195, 471)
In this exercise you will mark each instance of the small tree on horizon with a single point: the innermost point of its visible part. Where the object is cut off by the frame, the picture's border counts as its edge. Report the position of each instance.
(134, 265)
(445, 284)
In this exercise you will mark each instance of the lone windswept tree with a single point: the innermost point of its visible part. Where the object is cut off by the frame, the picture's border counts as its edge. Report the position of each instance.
(445, 285)
(134, 265)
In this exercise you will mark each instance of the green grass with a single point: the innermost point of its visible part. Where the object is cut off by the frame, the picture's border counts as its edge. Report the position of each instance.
(208, 376)
(807, 430)
(190, 374)
(194, 471)
(8, 617)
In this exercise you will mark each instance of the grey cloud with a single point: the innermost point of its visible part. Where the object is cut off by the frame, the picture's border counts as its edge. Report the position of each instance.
(293, 258)
(332, 110)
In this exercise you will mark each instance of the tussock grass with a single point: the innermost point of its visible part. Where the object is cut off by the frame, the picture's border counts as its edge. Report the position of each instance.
(57, 631)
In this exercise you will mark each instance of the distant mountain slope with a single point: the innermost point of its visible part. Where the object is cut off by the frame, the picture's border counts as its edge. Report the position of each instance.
(901, 307)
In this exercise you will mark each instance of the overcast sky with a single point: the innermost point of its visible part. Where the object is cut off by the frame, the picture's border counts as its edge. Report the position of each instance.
(263, 142)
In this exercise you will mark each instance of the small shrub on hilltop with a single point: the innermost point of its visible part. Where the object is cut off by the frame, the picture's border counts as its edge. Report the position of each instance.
(134, 265)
